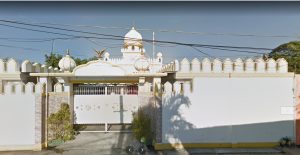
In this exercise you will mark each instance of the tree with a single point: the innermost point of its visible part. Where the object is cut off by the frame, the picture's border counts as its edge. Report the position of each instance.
(289, 51)
(53, 60)
(141, 126)
(84, 61)
(60, 125)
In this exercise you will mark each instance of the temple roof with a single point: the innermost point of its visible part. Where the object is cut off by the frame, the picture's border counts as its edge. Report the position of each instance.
(133, 34)
(133, 38)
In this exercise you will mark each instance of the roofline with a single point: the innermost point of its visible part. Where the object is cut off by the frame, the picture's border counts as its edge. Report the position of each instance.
(73, 75)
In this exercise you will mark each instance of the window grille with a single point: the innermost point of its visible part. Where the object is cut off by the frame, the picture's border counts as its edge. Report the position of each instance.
(105, 89)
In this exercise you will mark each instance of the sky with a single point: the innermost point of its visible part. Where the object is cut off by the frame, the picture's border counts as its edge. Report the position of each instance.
(264, 20)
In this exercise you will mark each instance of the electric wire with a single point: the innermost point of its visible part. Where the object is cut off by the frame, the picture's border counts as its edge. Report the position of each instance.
(24, 48)
(121, 37)
(174, 31)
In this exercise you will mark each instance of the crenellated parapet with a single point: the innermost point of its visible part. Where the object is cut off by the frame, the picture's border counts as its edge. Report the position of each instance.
(12, 66)
(9, 66)
(177, 87)
(24, 89)
(58, 88)
(227, 66)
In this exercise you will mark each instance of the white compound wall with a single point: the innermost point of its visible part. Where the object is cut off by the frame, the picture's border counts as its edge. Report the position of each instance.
(17, 119)
(228, 110)
(21, 116)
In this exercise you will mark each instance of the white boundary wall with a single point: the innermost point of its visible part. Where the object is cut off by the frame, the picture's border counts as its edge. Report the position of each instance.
(17, 119)
(228, 110)
(227, 66)
(20, 119)
(12, 66)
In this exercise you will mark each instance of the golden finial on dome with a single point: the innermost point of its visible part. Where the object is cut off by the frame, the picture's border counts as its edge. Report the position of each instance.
(133, 24)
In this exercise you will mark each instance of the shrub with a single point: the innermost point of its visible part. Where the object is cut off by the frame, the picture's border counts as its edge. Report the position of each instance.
(60, 126)
(141, 126)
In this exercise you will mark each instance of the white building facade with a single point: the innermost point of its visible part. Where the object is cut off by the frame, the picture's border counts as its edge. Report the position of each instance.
(192, 103)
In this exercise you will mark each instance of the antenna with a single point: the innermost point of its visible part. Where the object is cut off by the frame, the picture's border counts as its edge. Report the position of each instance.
(133, 23)
(52, 47)
(153, 47)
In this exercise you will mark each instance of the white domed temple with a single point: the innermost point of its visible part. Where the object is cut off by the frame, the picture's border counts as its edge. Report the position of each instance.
(192, 103)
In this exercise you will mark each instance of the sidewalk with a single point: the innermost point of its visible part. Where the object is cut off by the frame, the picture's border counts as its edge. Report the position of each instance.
(115, 144)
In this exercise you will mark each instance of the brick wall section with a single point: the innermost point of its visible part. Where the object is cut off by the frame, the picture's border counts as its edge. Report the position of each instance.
(297, 96)
(1, 87)
(55, 100)
(39, 119)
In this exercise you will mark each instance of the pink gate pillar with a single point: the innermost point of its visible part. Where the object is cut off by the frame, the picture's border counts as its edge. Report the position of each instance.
(297, 95)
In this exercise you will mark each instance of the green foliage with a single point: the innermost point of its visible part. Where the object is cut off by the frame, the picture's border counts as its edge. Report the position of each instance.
(79, 127)
(141, 126)
(60, 126)
(5, 59)
(53, 60)
(55, 142)
(291, 52)
(84, 61)
(157, 91)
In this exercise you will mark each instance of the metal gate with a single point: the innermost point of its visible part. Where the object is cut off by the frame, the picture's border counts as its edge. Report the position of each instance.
(105, 104)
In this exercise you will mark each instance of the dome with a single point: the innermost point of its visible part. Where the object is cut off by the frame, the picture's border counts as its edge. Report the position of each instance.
(133, 34)
(133, 38)
(106, 55)
(67, 64)
(159, 54)
(142, 64)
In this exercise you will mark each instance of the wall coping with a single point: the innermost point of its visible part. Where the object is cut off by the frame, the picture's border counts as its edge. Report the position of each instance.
(230, 75)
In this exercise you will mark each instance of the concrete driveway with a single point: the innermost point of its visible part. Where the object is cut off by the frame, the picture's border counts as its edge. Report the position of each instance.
(93, 143)
(97, 143)
(88, 143)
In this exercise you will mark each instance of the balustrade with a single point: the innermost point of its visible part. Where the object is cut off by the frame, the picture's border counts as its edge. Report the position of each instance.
(105, 89)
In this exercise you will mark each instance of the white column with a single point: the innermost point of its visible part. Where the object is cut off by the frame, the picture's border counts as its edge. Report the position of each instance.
(141, 85)
(156, 82)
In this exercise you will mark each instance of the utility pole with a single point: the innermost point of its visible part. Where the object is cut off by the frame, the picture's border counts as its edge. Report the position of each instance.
(153, 47)
(52, 47)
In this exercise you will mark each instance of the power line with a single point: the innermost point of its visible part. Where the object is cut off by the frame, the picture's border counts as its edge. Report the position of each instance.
(90, 26)
(165, 45)
(34, 39)
(233, 50)
(222, 49)
(39, 41)
(176, 31)
(202, 52)
(147, 40)
(96, 43)
(230, 34)
(57, 33)
(24, 48)
(63, 29)
(218, 47)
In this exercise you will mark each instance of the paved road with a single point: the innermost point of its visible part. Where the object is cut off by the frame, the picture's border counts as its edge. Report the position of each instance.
(89, 144)
(115, 144)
